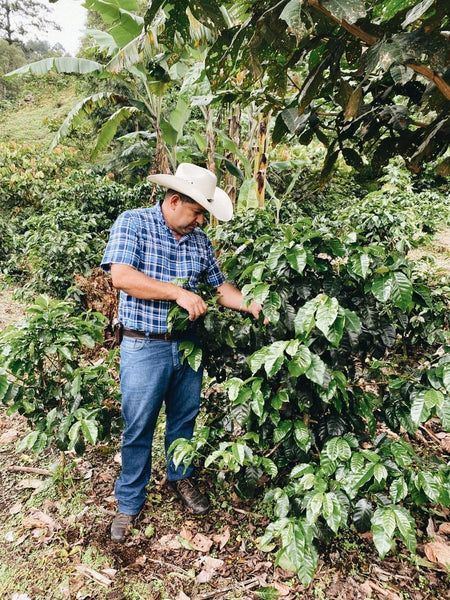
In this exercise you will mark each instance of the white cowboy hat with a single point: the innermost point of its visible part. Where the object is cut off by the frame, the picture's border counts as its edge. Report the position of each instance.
(199, 184)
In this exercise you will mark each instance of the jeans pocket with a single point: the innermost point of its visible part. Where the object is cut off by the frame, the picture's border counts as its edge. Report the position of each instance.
(132, 344)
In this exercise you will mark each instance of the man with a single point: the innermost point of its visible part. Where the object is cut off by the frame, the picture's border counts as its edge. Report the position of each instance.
(148, 249)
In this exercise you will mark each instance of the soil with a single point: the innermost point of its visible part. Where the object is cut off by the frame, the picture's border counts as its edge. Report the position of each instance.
(55, 519)
(439, 251)
(55, 542)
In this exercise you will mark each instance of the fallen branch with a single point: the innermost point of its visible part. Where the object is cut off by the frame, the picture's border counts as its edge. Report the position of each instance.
(246, 512)
(167, 565)
(95, 575)
(35, 470)
(430, 434)
(246, 585)
(384, 592)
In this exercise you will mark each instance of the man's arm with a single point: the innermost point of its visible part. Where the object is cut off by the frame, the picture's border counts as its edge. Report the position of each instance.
(139, 285)
(231, 297)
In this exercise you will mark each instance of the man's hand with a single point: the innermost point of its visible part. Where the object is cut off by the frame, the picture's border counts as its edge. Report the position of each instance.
(139, 285)
(193, 303)
(231, 297)
(254, 308)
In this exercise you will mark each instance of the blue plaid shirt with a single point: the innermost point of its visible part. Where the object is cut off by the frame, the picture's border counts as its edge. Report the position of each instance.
(141, 239)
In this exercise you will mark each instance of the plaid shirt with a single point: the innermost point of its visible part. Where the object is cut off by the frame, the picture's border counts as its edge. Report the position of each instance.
(141, 239)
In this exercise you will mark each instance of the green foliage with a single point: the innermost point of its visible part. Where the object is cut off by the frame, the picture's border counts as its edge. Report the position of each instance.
(57, 244)
(301, 401)
(46, 376)
(55, 218)
(28, 173)
(11, 57)
(368, 80)
(69, 235)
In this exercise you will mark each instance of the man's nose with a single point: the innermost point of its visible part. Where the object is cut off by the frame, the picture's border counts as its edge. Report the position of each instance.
(200, 220)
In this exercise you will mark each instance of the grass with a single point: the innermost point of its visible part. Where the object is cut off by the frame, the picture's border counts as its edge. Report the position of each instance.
(42, 106)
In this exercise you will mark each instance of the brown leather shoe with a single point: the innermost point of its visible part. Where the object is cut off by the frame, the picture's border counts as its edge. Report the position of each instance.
(120, 526)
(195, 501)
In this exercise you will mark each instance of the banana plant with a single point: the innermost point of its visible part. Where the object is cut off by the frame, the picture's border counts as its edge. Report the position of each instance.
(140, 65)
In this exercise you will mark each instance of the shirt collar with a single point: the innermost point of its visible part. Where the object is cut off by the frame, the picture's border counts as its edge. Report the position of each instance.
(161, 219)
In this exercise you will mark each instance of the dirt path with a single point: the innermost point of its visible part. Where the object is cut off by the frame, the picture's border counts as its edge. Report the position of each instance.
(10, 310)
(439, 250)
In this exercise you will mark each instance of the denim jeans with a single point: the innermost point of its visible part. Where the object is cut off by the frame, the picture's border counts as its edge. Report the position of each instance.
(151, 372)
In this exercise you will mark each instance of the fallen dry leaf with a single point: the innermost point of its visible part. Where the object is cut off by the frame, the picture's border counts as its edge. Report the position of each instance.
(9, 436)
(445, 443)
(169, 542)
(366, 589)
(21, 539)
(15, 508)
(204, 577)
(444, 528)
(182, 596)
(109, 572)
(201, 543)
(209, 566)
(221, 539)
(137, 564)
(110, 499)
(31, 482)
(438, 552)
(208, 563)
(186, 533)
(430, 529)
(282, 589)
(40, 520)
(95, 575)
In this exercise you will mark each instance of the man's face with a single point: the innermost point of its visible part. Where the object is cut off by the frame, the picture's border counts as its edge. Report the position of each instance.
(185, 217)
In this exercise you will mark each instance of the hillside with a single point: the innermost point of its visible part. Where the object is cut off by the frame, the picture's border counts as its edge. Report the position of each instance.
(39, 109)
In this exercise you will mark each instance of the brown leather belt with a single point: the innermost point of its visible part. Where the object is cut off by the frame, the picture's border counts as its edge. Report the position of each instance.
(166, 337)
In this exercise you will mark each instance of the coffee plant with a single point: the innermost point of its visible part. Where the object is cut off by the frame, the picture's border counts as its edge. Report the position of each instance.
(45, 375)
(28, 172)
(314, 411)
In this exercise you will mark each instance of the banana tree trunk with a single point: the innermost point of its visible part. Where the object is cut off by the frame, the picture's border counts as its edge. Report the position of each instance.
(161, 162)
(234, 133)
(210, 139)
(261, 157)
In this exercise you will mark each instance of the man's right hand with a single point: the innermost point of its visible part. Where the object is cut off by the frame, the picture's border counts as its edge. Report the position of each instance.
(139, 285)
(193, 303)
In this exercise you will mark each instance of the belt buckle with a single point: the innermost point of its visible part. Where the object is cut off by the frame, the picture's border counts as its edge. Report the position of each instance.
(167, 337)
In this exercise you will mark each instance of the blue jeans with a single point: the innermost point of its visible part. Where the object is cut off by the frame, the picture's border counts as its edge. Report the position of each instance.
(151, 373)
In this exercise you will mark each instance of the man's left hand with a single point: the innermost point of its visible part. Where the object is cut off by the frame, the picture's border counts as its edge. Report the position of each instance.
(255, 308)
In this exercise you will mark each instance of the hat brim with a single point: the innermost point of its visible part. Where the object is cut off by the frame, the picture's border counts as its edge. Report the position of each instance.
(220, 206)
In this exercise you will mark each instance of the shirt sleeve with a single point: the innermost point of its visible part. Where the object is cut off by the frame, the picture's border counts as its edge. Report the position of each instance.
(123, 245)
(214, 276)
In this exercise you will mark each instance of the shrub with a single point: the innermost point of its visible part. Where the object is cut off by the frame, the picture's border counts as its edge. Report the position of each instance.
(305, 401)
(28, 173)
(66, 233)
(58, 244)
(46, 376)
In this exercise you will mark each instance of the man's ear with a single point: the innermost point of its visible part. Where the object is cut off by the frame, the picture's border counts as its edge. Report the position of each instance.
(174, 200)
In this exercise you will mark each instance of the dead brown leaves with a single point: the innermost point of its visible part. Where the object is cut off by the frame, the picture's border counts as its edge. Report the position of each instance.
(438, 549)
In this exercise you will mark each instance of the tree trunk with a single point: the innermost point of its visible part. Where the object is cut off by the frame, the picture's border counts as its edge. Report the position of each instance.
(234, 133)
(261, 157)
